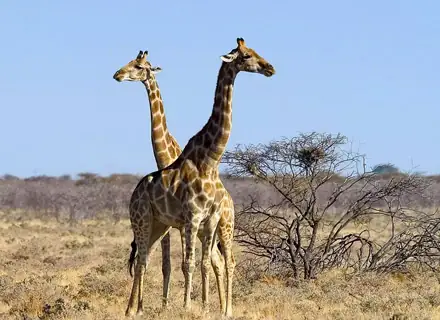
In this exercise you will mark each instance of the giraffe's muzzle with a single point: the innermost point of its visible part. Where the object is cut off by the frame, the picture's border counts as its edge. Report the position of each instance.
(118, 76)
(269, 70)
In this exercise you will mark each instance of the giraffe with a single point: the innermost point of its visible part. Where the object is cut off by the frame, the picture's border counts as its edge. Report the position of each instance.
(189, 191)
(166, 150)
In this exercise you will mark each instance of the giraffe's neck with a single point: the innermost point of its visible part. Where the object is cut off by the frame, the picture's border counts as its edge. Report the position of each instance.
(206, 148)
(165, 147)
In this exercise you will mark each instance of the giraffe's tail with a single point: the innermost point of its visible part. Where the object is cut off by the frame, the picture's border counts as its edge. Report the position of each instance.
(132, 257)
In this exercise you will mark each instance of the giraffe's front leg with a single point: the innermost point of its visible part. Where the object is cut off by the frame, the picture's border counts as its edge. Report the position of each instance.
(208, 235)
(183, 244)
(166, 267)
(218, 264)
(191, 229)
(226, 238)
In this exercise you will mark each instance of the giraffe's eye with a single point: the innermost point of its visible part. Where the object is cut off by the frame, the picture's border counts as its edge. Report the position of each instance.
(247, 56)
(138, 67)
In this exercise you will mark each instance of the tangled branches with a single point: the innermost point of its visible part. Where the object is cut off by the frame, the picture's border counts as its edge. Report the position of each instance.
(328, 213)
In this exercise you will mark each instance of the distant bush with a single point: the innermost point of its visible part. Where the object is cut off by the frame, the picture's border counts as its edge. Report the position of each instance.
(91, 195)
(41, 178)
(65, 177)
(121, 179)
(87, 178)
(10, 177)
(387, 168)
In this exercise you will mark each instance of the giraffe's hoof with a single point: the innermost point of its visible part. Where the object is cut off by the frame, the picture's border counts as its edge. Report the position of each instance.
(129, 313)
(228, 315)
(139, 313)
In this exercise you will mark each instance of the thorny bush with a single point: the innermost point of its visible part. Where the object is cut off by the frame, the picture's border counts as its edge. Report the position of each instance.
(329, 210)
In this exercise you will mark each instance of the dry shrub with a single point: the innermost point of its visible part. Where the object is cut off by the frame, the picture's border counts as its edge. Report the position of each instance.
(321, 222)
(95, 284)
(31, 297)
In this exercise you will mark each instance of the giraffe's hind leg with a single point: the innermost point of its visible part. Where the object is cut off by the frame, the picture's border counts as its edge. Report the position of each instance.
(142, 233)
(158, 230)
(146, 235)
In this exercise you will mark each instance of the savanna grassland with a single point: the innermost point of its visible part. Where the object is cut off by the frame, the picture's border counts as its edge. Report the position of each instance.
(64, 246)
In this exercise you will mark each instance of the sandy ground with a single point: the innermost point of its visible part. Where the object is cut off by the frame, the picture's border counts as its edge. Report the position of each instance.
(50, 270)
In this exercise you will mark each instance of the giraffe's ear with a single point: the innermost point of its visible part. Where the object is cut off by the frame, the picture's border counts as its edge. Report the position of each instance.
(155, 70)
(229, 57)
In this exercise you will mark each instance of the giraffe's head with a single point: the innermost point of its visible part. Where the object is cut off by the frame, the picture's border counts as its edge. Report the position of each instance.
(138, 69)
(246, 59)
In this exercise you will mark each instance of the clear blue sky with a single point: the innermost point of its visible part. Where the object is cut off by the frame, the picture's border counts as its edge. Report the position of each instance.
(367, 69)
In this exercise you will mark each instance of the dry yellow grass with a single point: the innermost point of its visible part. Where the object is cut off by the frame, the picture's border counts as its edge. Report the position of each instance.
(57, 271)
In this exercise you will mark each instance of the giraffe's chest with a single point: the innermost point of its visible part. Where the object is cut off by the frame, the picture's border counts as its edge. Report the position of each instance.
(182, 202)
